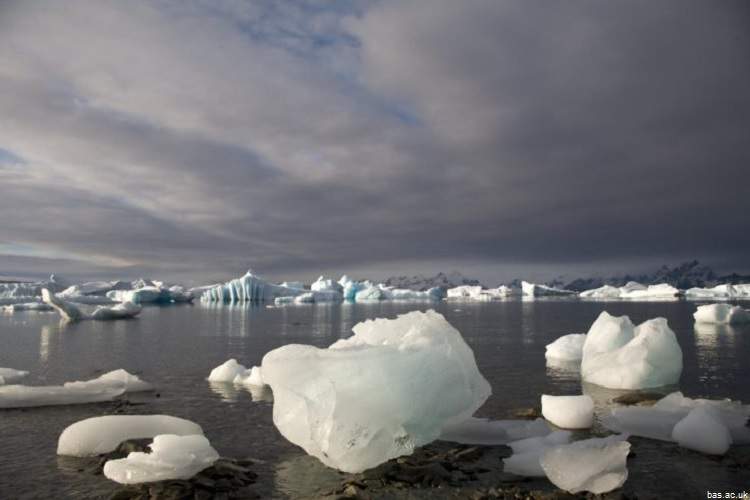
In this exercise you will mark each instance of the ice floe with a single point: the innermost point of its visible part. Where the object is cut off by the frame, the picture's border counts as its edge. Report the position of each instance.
(721, 314)
(99, 435)
(660, 291)
(171, 457)
(104, 388)
(232, 372)
(356, 386)
(568, 412)
(478, 293)
(618, 355)
(27, 306)
(71, 312)
(596, 465)
(527, 453)
(703, 430)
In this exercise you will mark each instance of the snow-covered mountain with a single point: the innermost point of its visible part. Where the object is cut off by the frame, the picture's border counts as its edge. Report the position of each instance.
(683, 276)
(422, 282)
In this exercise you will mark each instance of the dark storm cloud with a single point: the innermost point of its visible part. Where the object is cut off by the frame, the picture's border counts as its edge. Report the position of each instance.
(198, 139)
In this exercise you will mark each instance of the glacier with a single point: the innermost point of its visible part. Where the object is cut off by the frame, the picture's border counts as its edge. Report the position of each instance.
(618, 355)
(355, 386)
(98, 435)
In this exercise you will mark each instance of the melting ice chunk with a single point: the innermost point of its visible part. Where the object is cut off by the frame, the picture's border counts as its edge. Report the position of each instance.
(566, 348)
(171, 457)
(703, 430)
(377, 395)
(97, 435)
(568, 412)
(721, 314)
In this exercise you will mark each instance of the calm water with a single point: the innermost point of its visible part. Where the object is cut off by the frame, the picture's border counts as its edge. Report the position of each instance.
(176, 347)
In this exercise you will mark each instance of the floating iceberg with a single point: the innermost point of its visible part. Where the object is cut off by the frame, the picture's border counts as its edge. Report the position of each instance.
(703, 430)
(151, 295)
(719, 292)
(659, 421)
(376, 395)
(603, 292)
(105, 388)
(93, 288)
(568, 412)
(527, 453)
(248, 288)
(618, 355)
(370, 293)
(232, 372)
(171, 457)
(323, 284)
(27, 306)
(566, 348)
(493, 432)
(10, 376)
(99, 435)
(71, 312)
(721, 314)
(534, 290)
(660, 291)
(250, 378)
(597, 465)
(477, 293)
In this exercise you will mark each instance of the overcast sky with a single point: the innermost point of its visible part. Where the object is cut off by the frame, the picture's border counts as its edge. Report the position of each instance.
(194, 139)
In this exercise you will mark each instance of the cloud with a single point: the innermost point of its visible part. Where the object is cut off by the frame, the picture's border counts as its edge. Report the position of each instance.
(205, 137)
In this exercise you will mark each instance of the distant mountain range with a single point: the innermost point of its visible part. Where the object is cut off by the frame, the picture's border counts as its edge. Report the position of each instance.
(685, 275)
(422, 282)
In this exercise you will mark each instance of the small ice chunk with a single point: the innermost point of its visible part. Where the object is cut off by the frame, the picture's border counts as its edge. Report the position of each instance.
(66, 309)
(597, 465)
(566, 348)
(721, 314)
(528, 452)
(492, 432)
(702, 430)
(120, 311)
(10, 376)
(21, 396)
(618, 356)
(568, 412)
(98, 435)
(131, 382)
(227, 371)
(171, 457)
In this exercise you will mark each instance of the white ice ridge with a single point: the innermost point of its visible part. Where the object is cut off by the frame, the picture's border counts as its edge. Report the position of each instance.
(676, 418)
(98, 435)
(566, 348)
(618, 355)
(493, 432)
(248, 288)
(597, 465)
(233, 372)
(171, 457)
(568, 412)
(104, 388)
(10, 376)
(72, 312)
(632, 290)
(720, 292)
(394, 385)
(721, 314)
(535, 290)
(477, 293)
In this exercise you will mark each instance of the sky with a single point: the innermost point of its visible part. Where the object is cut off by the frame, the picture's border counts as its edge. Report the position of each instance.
(193, 140)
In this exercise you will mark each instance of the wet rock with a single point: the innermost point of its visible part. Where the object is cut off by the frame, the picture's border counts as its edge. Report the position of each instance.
(638, 398)
(529, 413)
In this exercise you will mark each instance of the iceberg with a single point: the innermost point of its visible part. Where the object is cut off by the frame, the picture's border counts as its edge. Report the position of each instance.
(527, 453)
(493, 432)
(721, 314)
(477, 293)
(534, 290)
(27, 306)
(93, 288)
(71, 312)
(719, 292)
(618, 355)
(227, 371)
(9, 375)
(596, 465)
(370, 293)
(568, 412)
(703, 430)
(248, 288)
(99, 435)
(250, 378)
(660, 291)
(349, 406)
(150, 294)
(603, 292)
(566, 348)
(132, 383)
(659, 421)
(171, 457)
(323, 284)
